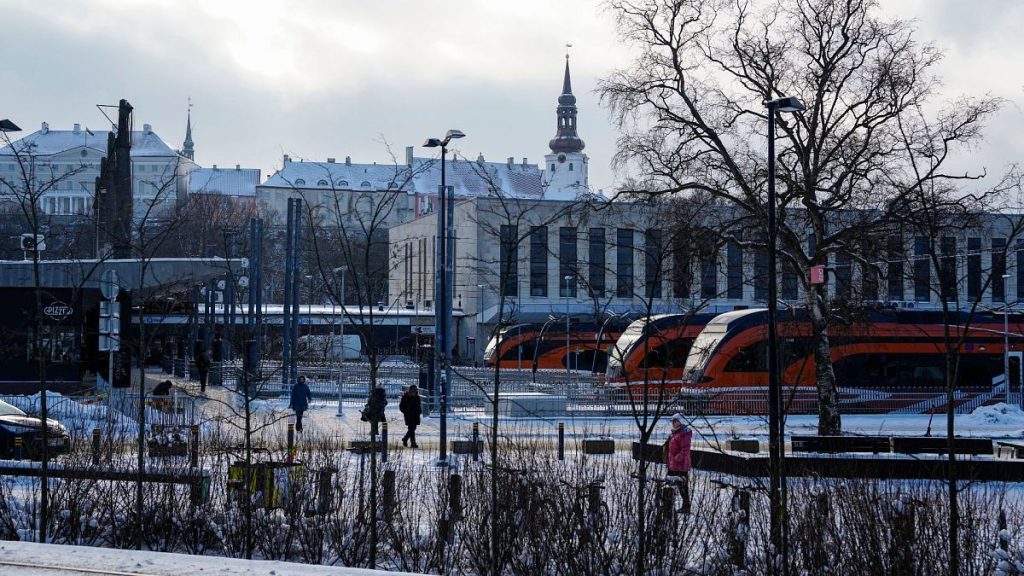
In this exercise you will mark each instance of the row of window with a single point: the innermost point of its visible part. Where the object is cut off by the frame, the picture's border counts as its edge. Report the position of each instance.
(703, 259)
(342, 183)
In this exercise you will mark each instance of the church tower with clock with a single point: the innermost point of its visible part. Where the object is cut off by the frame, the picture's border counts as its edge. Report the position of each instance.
(565, 170)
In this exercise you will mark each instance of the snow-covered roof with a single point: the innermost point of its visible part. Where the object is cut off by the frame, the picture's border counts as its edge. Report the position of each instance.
(227, 181)
(47, 142)
(470, 178)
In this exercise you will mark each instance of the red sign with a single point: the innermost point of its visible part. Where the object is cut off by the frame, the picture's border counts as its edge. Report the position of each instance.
(817, 274)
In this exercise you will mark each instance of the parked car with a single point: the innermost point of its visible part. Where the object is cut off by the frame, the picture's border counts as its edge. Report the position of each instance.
(14, 423)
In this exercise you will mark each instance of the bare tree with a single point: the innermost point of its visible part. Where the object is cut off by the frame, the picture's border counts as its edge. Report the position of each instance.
(691, 113)
(23, 194)
(348, 230)
(946, 213)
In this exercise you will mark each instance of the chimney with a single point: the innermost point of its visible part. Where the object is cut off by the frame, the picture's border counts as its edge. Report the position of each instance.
(287, 159)
(348, 160)
(330, 160)
(214, 166)
(524, 162)
(45, 129)
(78, 129)
(238, 166)
(147, 128)
(408, 155)
(511, 162)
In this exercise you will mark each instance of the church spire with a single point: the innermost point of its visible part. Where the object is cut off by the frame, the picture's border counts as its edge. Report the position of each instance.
(566, 140)
(188, 149)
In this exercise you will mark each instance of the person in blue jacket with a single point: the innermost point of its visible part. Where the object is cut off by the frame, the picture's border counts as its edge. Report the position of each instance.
(300, 401)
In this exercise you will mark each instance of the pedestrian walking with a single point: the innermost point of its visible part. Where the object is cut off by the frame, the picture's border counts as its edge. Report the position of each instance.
(300, 401)
(374, 411)
(411, 408)
(679, 458)
(203, 368)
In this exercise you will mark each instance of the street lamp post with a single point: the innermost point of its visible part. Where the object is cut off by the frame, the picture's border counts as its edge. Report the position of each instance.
(442, 289)
(480, 319)
(568, 351)
(775, 433)
(1006, 342)
(339, 272)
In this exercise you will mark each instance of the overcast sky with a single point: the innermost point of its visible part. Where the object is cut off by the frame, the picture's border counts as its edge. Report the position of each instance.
(332, 78)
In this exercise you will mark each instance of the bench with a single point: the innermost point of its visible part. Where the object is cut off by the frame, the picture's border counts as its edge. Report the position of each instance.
(531, 405)
(654, 453)
(940, 445)
(1016, 448)
(836, 444)
(598, 446)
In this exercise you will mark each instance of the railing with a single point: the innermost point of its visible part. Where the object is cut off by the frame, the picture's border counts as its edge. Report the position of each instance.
(587, 394)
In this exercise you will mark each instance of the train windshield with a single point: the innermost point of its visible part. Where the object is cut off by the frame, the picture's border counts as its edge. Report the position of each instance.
(491, 348)
(705, 343)
(625, 343)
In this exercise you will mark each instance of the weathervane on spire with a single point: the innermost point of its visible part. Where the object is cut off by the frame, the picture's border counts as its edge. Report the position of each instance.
(567, 46)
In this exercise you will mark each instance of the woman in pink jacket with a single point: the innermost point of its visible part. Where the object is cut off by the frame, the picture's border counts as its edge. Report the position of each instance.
(679, 458)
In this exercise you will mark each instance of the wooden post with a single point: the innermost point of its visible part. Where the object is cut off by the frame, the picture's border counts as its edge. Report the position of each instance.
(291, 442)
(561, 440)
(194, 447)
(476, 440)
(19, 446)
(455, 496)
(95, 446)
(384, 441)
(389, 494)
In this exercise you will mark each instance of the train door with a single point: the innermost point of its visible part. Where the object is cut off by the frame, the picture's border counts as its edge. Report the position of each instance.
(1014, 386)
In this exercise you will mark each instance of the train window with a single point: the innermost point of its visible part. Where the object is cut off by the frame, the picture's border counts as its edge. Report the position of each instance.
(753, 358)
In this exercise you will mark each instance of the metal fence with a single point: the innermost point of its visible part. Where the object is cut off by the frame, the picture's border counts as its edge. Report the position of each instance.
(587, 394)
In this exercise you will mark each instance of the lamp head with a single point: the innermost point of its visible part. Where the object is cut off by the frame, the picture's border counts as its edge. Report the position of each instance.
(8, 126)
(432, 143)
(454, 134)
(786, 104)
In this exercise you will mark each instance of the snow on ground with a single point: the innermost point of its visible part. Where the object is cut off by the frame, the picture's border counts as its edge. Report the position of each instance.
(158, 563)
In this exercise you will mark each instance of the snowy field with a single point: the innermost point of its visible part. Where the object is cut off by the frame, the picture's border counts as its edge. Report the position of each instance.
(14, 556)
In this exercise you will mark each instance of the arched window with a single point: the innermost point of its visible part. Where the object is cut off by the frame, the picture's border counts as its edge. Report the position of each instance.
(365, 184)
(322, 183)
(300, 182)
(392, 186)
(342, 182)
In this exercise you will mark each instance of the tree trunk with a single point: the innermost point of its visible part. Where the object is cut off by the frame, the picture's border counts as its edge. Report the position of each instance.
(829, 420)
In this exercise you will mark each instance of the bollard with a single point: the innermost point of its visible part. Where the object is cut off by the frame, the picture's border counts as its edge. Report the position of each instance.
(384, 441)
(389, 494)
(194, 453)
(323, 482)
(291, 442)
(476, 440)
(594, 498)
(561, 440)
(455, 496)
(668, 502)
(740, 520)
(19, 445)
(95, 446)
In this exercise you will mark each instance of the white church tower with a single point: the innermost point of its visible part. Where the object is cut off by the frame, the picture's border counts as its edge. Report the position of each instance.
(565, 173)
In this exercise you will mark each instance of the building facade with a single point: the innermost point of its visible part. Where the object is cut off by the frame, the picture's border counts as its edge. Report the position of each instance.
(63, 165)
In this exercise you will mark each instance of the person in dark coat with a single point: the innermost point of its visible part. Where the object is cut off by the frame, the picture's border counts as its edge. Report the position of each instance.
(411, 408)
(679, 458)
(300, 401)
(378, 400)
(203, 368)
